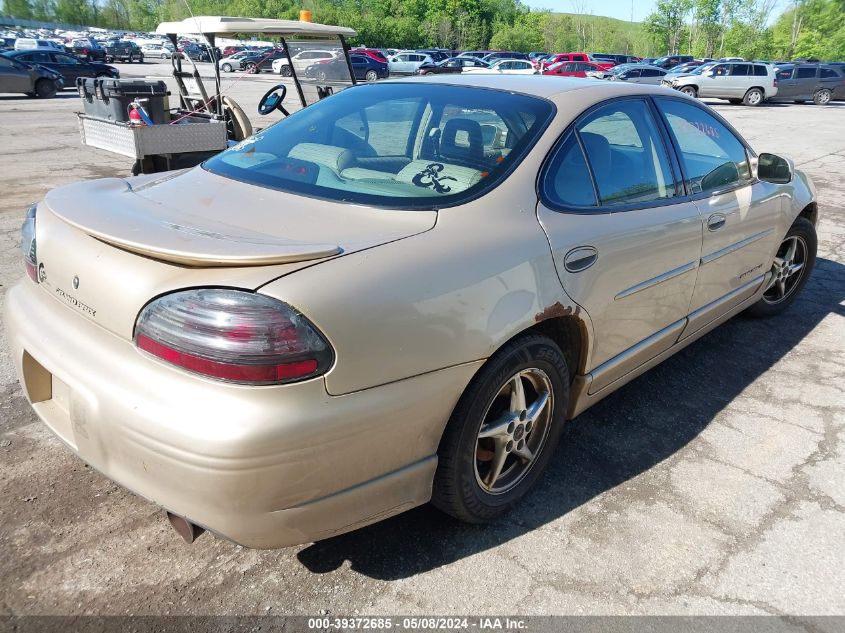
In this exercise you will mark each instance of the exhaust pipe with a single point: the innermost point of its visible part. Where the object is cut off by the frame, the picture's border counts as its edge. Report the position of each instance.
(185, 528)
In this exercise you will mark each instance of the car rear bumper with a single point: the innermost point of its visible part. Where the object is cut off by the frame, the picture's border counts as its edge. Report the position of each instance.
(261, 466)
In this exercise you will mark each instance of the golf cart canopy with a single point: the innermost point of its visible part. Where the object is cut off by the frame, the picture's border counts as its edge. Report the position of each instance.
(222, 25)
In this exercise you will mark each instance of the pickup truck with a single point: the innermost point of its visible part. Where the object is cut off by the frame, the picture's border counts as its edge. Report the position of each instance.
(124, 51)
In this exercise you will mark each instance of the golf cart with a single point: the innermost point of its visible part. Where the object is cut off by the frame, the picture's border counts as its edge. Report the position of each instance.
(133, 120)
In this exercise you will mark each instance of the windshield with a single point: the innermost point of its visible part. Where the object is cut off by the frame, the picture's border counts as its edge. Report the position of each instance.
(406, 145)
(702, 68)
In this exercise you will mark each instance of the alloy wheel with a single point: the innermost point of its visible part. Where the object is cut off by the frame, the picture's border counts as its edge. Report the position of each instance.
(514, 431)
(787, 270)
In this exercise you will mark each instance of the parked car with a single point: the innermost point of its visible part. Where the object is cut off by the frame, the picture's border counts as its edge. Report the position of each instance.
(451, 65)
(68, 66)
(505, 66)
(124, 51)
(365, 68)
(253, 382)
(670, 61)
(198, 52)
(301, 61)
(819, 83)
(87, 49)
(29, 43)
(496, 56)
(476, 54)
(156, 50)
(376, 54)
(436, 54)
(639, 74)
(29, 79)
(574, 57)
(407, 62)
(739, 82)
(228, 51)
(262, 62)
(233, 62)
(573, 69)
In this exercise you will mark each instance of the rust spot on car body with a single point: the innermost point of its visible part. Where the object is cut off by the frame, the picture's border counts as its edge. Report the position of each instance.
(553, 311)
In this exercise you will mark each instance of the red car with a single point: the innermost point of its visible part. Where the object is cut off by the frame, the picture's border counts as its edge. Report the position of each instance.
(231, 50)
(575, 57)
(574, 69)
(371, 52)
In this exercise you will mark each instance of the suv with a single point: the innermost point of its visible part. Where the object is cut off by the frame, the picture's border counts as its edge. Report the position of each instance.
(670, 61)
(820, 83)
(302, 60)
(124, 51)
(29, 79)
(86, 49)
(739, 82)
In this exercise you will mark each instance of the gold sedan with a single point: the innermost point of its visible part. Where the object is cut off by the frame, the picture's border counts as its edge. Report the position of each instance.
(396, 295)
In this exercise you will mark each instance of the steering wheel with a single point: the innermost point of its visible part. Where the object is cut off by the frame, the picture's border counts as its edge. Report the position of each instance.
(273, 100)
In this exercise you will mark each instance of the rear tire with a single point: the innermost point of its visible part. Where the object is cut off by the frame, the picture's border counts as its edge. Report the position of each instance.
(285, 71)
(753, 97)
(252, 68)
(822, 97)
(494, 420)
(690, 91)
(784, 286)
(371, 75)
(45, 88)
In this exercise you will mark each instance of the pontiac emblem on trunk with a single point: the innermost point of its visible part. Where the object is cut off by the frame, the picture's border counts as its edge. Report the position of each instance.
(76, 282)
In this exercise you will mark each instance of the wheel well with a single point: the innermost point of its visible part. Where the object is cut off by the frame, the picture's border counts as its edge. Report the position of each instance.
(811, 212)
(569, 334)
(760, 88)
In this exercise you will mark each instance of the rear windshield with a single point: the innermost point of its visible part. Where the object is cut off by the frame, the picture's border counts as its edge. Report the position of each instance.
(405, 145)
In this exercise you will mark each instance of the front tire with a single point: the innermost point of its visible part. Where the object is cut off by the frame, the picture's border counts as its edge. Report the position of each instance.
(753, 97)
(794, 261)
(252, 68)
(822, 97)
(45, 88)
(226, 68)
(285, 71)
(503, 431)
(690, 91)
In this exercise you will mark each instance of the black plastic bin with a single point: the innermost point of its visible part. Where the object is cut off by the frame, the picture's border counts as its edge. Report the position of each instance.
(109, 99)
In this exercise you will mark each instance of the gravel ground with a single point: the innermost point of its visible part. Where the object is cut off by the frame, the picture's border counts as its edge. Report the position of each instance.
(712, 485)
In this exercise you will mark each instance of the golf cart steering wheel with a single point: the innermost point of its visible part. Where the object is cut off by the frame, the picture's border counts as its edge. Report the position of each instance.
(273, 100)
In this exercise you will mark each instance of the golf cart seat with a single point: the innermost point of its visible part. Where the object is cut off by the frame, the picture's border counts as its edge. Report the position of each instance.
(241, 127)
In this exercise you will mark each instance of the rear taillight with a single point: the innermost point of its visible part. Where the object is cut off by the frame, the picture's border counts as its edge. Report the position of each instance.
(233, 335)
(776, 83)
(28, 244)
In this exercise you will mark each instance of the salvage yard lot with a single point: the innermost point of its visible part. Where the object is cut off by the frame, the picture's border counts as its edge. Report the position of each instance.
(713, 484)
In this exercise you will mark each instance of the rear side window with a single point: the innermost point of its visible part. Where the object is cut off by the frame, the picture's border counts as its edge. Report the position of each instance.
(567, 181)
(740, 70)
(626, 154)
(785, 73)
(713, 157)
(760, 71)
(806, 73)
(829, 73)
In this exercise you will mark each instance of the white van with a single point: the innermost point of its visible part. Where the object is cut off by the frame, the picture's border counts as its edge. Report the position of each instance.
(28, 43)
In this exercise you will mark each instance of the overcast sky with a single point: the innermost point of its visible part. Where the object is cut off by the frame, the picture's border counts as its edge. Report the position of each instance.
(620, 9)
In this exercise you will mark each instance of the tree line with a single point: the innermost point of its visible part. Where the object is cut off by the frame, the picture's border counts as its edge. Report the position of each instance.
(704, 28)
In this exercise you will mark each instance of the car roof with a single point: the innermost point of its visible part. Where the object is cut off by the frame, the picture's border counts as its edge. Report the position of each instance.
(541, 86)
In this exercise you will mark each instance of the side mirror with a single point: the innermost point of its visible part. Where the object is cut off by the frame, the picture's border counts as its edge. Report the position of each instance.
(774, 168)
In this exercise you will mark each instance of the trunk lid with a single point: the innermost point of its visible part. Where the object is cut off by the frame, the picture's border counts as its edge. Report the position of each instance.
(105, 248)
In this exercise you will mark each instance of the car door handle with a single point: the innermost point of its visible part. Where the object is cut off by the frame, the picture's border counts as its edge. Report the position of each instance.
(580, 258)
(715, 222)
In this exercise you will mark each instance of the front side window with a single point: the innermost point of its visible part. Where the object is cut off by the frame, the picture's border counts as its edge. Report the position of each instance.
(400, 145)
(721, 70)
(626, 154)
(713, 157)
